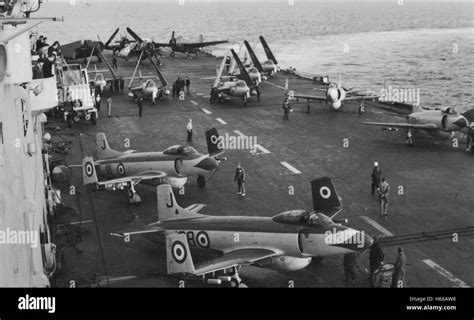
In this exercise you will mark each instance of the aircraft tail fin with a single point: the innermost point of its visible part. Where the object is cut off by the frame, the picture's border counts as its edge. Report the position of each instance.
(89, 175)
(214, 145)
(325, 197)
(178, 255)
(254, 58)
(267, 50)
(103, 151)
(168, 208)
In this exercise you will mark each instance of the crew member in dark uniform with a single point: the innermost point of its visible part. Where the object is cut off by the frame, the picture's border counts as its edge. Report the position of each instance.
(376, 257)
(350, 267)
(286, 109)
(240, 178)
(376, 175)
(400, 269)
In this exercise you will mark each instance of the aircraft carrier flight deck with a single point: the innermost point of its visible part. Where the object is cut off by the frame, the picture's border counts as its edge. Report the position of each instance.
(430, 182)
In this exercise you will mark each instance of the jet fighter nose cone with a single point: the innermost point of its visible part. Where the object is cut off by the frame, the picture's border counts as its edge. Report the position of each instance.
(207, 164)
(332, 94)
(462, 122)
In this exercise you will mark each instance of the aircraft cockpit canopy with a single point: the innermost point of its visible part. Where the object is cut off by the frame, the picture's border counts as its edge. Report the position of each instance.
(303, 218)
(150, 83)
(179, 150)
(241, 83)
(252, 70)
(450, 110)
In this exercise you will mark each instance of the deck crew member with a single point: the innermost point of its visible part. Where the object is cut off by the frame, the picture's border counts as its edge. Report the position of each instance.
(139, 101)
(122, 84)
(187, 82)
(114, 63)
(399, 269)
(98, 99)
(286, 109)
(470, 138)
(376, 257)
(350, 267)
(189, 130)
(109, 107)
(173, 89)
(384, 191)
(376, 174)
(240, 178)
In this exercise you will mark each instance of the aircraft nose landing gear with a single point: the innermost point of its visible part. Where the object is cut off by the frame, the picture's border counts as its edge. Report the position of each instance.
(201, 181)
(133, 197)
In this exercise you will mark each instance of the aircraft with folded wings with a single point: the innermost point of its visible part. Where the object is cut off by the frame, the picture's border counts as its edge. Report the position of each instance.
(177, 44)
(286, 242)
(173, 166)
(442, 124)
(268, 67)
(146, 89)
(240, 89)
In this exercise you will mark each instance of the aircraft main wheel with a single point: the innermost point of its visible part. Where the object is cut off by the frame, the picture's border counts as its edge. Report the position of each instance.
(130, 193)
(318, 259)
(234, 283)
(93, 119)
(201, 181)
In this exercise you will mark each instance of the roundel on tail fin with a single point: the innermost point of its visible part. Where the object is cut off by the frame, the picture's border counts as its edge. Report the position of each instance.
(178, 250)
(89, 169)
(324, 194)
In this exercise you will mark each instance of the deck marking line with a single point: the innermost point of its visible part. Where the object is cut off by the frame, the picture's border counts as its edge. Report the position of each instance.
(275, 85)
(205, 110)
(290, 167)
(194, 102)
(237, 132)
(76, 222)
(377, 226)
(259, 147)
(221, 121)
(446, 274)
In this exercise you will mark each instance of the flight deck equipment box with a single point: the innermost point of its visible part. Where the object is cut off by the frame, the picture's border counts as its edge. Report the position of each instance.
(382, 277)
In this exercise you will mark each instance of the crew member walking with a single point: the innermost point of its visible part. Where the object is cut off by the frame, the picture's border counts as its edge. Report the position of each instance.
(376, 174)
(398, 277)
(240, 178)
(114, 63)
(189, 129)
(384, 191)
(376, 257)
